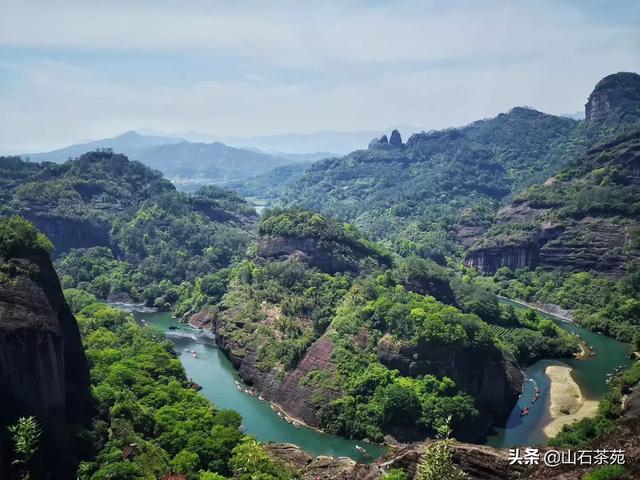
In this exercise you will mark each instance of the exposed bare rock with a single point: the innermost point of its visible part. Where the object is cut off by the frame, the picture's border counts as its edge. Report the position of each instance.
(292, 455)
(299, 399)
(324, 467)
(43, 368)
(303, 400)
(307, 250)
(468, 234)
(202, 319)
(479, 462)
(614, 100)
(395, 139)
(485, 375)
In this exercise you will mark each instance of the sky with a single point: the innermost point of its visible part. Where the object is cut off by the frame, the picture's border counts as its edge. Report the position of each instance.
(89, 69)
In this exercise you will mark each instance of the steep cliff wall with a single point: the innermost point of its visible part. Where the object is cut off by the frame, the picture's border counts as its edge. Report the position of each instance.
(615, 100)
(66, 233)
(328, 256)
(583, 219)
(298, 399)
(306, 249)
(494, 384)
(43, 369)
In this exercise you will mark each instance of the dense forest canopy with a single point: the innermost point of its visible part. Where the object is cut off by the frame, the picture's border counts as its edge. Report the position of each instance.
(122, 230)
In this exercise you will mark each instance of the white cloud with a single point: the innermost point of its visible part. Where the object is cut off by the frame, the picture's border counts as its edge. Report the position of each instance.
(295, 66)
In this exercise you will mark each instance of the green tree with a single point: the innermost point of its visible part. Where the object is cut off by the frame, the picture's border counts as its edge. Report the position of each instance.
(396, 474)
(185, 462)
(210, 476)
(250, 460)
(78, 299)
(26, 435)
(437, 461)
(606, 472)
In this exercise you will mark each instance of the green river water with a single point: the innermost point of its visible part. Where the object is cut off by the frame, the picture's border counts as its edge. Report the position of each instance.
(213, 371)
(590, 374)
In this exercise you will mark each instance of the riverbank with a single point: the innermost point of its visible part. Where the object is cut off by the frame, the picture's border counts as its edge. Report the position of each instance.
(566, 402)
(548, 308)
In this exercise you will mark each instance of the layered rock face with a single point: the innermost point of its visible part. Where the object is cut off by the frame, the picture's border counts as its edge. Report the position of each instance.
(583, 220)
(306, 249)
(66, 233)
(493, 383)
(298, 399)
(614, 101)
(330, 257)
(43, 369)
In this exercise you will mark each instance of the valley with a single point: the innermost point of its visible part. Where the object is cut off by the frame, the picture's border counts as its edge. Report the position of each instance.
(372, 299)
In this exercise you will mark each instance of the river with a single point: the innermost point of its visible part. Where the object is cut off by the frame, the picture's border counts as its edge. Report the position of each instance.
(590, 374)
(213, 371)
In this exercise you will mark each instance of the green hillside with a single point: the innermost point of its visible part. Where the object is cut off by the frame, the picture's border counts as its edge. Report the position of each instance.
(122, 231)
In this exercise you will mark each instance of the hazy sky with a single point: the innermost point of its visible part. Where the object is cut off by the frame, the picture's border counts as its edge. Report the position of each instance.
(73, 70)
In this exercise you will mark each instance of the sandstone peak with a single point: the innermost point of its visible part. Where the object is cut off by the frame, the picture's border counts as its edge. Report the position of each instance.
(395, 139)
(615, 100)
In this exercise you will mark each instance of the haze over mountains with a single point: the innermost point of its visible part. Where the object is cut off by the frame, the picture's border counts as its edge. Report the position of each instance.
(183, 161)
(194, 158)
(363, 329)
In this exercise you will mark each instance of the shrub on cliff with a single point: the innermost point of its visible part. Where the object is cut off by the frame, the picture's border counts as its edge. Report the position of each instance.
(18, 234)
(329, 233)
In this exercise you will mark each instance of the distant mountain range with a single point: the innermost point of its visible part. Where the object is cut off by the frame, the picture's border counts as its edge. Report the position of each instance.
(186, 163)
(337, 142)
(191, 159)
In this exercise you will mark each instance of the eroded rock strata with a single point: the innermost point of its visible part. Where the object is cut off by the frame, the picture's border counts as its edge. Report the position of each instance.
(43, 369)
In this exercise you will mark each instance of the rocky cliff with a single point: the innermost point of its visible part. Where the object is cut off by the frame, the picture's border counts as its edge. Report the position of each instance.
(479, 462)
(307, 250)
(494, 384)
(614, 101)
(584, 218)
(43, 369)
(287, 389)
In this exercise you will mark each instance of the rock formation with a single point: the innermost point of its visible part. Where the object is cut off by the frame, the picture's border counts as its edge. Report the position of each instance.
(494, 384)
(288, 391)
(614, 101)
(479, 462)
(307, 250)
(43, 369)
(551, 229)
(395, 139)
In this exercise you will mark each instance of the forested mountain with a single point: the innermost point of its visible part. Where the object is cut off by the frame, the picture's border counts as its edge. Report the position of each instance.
(98, 387)
(357, 328)
(326, 324)
(120, 228)
(43, 367)
(182, 161)
(586, 217)
(435, 193)
(412, 193)
(580, 229)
